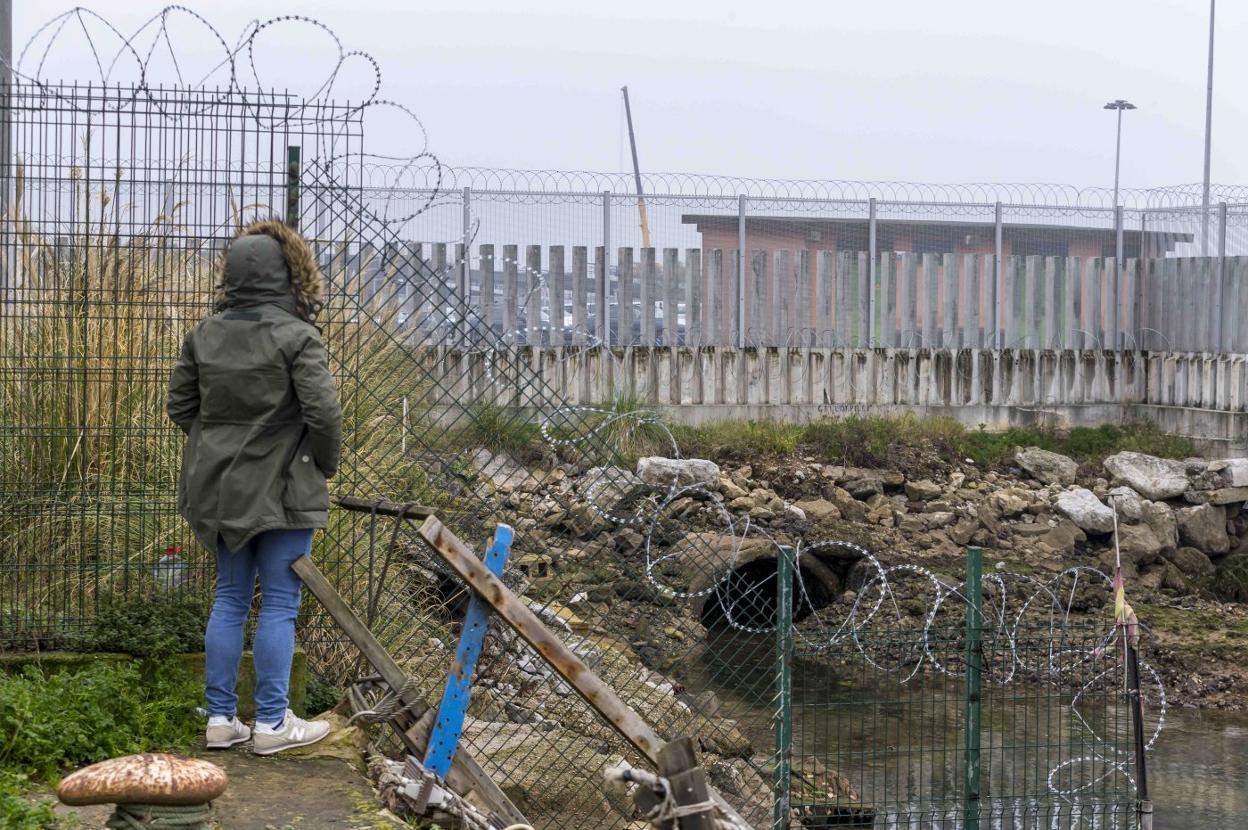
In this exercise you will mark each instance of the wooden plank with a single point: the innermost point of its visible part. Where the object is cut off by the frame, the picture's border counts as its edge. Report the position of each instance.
(908, 274)
(757, 295)
(804, 302)
(824, 319)
(647, 297)
(1031, 302)
(1205, 308)
(781, 297)
(463, 267)
(932, 337)
(845, 292)
(601, 331)
(887, 270)
(580, 296)
(1094, 318)
(695, 298)
(671, 299)
(713, 298)
(974, 269)
(952, 266)
(436, 295)
(486, 300)
(1013, 266)
(1128, 321)
(558, 656)
(533, 296)
(453, 708)
(1236, 295)
(511, 268)
(557, 320)
(624, 297)
(679, 765)
(863, 280)
(466, 776)
(735, 284)
(1052, 305)
(1073, 305)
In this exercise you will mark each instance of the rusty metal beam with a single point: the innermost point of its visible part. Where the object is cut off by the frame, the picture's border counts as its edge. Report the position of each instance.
(558, 656)
(383, 508)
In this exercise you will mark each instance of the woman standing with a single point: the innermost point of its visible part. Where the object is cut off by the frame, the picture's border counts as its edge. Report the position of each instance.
(253, 393)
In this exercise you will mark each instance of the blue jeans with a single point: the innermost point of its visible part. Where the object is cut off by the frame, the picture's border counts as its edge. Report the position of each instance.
(269, 555)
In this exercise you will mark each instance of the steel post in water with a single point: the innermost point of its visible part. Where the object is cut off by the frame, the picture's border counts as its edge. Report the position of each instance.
(1143, 804)
(782, 787)
(974, 663)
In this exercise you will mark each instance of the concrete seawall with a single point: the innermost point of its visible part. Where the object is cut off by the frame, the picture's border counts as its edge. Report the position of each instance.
(1202, 396)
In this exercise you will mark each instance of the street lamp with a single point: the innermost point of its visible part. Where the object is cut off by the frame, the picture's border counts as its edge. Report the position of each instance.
(1119, 105)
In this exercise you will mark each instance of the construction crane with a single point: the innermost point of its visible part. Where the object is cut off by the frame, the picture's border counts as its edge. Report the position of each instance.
(641, 199)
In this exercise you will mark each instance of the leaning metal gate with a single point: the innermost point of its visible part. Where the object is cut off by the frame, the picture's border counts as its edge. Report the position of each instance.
(118, 202)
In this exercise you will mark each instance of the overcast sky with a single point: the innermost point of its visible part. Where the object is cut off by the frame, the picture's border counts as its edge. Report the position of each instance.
(953, 91)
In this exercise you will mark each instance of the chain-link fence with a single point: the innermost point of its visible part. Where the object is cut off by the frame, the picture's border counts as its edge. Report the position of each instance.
(121, 198)
(696, 265)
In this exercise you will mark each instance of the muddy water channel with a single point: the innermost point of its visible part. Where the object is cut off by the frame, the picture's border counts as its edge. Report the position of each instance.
(1049, 761)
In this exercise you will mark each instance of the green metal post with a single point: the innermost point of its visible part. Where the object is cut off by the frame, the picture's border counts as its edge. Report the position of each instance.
(784, 686)
(974, 665)
(293, 163)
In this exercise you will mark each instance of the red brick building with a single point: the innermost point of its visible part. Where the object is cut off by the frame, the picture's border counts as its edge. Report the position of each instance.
(926, 236)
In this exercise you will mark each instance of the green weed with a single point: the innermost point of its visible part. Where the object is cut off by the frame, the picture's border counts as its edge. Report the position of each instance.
(872, 441)
(17, 812)
(1088, 445)
(737, 440)
(53, 722)
(156, 625)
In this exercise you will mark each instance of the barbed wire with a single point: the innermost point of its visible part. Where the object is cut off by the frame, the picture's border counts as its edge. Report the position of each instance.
(123, 64)
(878, 622)
(548, 183)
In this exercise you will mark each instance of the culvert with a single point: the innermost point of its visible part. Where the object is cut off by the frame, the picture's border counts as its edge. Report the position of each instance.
(746, 597)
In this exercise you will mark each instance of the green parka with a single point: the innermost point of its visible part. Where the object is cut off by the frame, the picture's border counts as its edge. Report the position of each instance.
(253, 393)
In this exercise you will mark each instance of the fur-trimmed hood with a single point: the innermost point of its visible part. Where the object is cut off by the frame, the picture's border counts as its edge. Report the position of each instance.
(255, 270)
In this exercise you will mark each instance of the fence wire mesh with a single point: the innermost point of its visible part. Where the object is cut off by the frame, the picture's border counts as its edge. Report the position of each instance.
(121, 202)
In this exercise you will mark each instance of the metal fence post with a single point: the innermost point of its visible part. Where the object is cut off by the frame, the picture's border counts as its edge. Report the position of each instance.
(998, 277)
(292, 185)
(1221, 271)
(1143, 803)
(974, 662)
(784, 687)
(872, 252)
(603, 323)
(740, 271)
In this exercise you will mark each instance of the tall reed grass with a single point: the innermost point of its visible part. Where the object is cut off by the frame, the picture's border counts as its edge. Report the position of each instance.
(93, 320)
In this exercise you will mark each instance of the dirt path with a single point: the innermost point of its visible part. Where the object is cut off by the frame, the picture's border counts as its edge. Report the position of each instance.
(281, 794)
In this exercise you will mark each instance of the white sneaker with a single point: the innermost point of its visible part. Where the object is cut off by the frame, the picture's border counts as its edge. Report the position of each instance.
(292, 733)
(224, 732)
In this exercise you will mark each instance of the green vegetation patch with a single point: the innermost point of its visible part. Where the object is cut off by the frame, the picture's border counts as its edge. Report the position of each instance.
(155, 625)
(17, 812)
(875, 441)
(54, 722)
(1088, 445)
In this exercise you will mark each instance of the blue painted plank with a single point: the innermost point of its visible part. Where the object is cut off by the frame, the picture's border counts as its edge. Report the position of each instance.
(450, 723)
